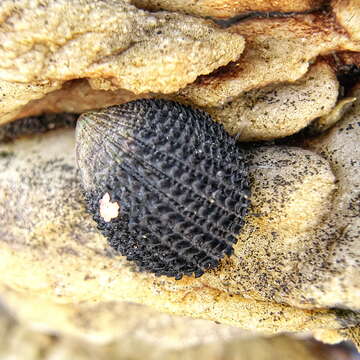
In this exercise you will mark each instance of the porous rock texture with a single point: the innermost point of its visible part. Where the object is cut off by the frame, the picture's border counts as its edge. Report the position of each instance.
(276, 111)
(117, 53)
(277, 50)
(340, 146)
(296, 263)
(111, 43)
(53, 260)
(15, 96)
(146, 334)
(76, 96)
(135, 326)
(301, 247)
(348, 15)
(228, 8)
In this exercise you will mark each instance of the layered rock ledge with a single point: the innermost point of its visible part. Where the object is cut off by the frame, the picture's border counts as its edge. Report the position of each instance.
(294, 269)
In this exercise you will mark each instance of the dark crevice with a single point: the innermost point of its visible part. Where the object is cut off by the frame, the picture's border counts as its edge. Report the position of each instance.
(225, 23)
(36, 124)
(348, 75)
(346, 65)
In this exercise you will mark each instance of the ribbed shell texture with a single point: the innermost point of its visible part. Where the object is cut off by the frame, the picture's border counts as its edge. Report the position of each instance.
(179, 179)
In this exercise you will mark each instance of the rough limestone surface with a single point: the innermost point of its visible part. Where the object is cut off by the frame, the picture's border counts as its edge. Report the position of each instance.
(277, 50)
(15, 96)
(228, 8)
(54, 261)
(276, 111)
(348, 15)
(261, 114)
(301, 247)
(111, 43)
(139, 323)
(76, 96)
(131, 48)
(158, 337)
(296, 265)
(125, 52)
(340, 272)
(328, 120)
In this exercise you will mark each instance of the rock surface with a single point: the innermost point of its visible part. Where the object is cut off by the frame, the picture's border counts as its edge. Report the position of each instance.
(348, 15)
(138, 323)
(53, 260)
(277, 50)
(75, 96)
(134, 53)
(160, 336)
(303, 248)
(270, 112)
(111, 43)
(228, 8)
(276, 111)
(340, 273)
(130, 48)
(15, 96)
(296, 265)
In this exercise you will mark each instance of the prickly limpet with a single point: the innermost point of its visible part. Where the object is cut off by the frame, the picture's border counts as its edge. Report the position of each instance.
(166, 185)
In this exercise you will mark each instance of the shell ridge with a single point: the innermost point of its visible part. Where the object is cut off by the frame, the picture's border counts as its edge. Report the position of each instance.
(219, 206)
(177, 205)
(185, 170)
(194, 223)
(180, 179)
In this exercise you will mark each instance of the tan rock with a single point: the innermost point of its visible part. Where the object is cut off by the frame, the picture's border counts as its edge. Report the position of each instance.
(280, 110)
(131, 51)
(325, 122)
(340, 272)
(348, 58)
(110, 41)
(54, 261)
(302, 247)
(347, 13)
(76, 96)
(227, 8)
(157, 336)
(292, 191)
(14, 96)
(136, 323)
(277, 50)
(353, 334)
(303, 264)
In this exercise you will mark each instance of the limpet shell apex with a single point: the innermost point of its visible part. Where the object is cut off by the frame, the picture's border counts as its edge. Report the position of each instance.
(172, 183)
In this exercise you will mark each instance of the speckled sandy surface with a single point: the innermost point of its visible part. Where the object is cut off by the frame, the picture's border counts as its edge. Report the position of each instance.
(53, 259)
(228, 8)
(296, 263)
(111, 43)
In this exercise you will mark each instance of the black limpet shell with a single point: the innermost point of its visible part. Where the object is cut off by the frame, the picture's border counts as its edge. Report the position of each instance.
(167, 186)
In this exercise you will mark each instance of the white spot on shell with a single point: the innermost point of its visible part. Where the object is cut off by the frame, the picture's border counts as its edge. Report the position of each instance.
(108, 210)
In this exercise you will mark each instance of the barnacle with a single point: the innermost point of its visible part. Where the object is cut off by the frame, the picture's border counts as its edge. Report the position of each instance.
(167, 186)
